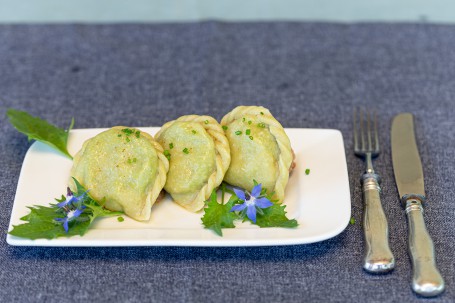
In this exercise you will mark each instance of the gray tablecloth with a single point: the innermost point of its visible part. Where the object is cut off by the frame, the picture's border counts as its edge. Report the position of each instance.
(310, 75)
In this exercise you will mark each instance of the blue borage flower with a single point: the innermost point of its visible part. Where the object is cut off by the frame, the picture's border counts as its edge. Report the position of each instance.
(73, 208)
(70, 216)
(252, 202)
(71, 199)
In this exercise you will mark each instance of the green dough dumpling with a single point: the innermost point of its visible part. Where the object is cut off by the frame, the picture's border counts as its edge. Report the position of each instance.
(124, 166)
(260, 150)
(198, 154)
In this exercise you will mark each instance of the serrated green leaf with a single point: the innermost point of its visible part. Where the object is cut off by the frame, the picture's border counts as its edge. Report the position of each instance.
(275, 216)
(99, 211)
(42, 213)
(38, 129)
(38, 230)
(218, 216)
(41, 222)
(41, 225)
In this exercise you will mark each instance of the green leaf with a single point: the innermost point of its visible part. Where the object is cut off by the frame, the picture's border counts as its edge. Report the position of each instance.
(275, 216)
(218, 216)
(41, 222)
(41, 225)
(99, 211)
(40, 130)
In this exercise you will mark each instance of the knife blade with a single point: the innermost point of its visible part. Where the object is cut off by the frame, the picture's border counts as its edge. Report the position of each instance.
(407, 167)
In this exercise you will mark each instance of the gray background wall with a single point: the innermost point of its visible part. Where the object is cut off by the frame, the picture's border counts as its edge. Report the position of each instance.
(46, 11)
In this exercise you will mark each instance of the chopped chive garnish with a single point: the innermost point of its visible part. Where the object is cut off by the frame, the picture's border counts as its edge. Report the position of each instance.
(128, 131)
(206, 121)
(238, 133)
(171, 145)
(186, 151)
(243, 119)
(134, 160)
(249, 122)
(248, 132)
(167, 154)
(307, 171)
(262, 113)
(193, 131)
(352, 221)
(251, 137)
(224, 127)
(261, 125)
(120, 219)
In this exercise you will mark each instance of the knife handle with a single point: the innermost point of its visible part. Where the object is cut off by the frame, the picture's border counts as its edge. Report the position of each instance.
(426, 280)
(378, 256)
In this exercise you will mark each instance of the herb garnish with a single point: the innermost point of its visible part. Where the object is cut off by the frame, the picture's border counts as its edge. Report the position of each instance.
(72, 216)
(206, 121)
(167, 154)
(218, 216)
(307, 171)
(248, 132)
(256, 207)
(40, 130)
(186, 151)
(171, 145)
(352, 221)
(128, 131)
(261, 125)
(238, 133)
(224, 127)
(194, 132)
(251, 137)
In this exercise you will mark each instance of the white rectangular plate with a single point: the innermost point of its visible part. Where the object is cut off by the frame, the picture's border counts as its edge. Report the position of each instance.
(320, 201)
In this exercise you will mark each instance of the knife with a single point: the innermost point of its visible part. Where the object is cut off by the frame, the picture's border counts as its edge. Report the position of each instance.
(407, 167)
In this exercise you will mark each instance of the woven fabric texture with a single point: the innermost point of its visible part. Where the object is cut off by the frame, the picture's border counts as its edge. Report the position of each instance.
(310, 75)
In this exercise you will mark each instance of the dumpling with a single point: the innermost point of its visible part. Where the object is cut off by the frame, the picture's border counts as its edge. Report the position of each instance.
(199, 156)
(124, 166)
(260, 150)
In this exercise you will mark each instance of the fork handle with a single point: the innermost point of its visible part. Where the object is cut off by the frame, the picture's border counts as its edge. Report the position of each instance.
(378, 256)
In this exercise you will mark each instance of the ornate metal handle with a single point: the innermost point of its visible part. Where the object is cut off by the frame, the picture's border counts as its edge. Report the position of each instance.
(378, 256)
(426, 280)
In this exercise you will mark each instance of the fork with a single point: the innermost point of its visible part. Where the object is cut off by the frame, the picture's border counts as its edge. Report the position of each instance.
(378, 256)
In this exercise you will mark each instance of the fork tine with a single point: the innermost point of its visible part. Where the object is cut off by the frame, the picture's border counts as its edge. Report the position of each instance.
(362, 135)
(365, 130)
(376, 139)
(369, 130)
